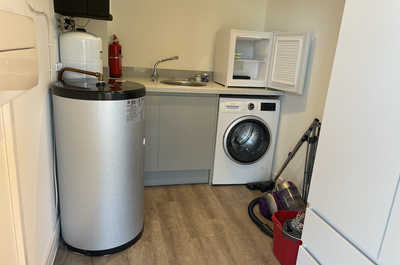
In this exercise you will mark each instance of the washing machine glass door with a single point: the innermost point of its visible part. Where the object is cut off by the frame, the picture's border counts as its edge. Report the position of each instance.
(247, 140)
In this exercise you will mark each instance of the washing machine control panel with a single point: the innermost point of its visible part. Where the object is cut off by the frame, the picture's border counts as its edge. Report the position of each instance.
(247, 107)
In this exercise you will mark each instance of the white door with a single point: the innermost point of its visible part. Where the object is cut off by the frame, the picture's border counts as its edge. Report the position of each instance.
(8, 251)
(357, 162)
(289, 60)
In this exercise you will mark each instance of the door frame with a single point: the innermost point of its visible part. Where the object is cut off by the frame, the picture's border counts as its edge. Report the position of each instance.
(11, 167)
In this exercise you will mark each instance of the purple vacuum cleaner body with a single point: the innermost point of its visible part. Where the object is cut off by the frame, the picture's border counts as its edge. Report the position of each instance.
(284, 197)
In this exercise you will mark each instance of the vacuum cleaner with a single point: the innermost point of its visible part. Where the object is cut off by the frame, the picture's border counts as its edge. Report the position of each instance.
(280, 194)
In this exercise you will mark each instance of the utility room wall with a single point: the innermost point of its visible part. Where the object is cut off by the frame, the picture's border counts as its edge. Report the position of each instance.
(150, 30)
(323, 19)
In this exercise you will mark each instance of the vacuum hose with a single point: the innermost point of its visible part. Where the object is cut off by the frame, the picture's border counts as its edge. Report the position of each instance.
(263, 227)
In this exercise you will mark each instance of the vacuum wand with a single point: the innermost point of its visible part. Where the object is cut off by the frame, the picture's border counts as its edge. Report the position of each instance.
(315, 124)
(309, 135)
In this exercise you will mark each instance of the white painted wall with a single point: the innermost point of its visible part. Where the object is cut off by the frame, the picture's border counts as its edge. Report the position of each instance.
(322, 18)
(153, 29)
(33, 140)
(150, 30)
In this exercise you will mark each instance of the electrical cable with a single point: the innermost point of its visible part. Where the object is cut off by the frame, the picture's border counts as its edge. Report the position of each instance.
(55, 171)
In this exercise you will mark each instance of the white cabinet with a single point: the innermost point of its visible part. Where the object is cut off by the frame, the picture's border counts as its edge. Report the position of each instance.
(18, 55)
(262, 59)
(305, 258)
(328, 246)
(357, 162)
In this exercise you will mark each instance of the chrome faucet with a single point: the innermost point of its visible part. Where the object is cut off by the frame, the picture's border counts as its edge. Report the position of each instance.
(155, 75)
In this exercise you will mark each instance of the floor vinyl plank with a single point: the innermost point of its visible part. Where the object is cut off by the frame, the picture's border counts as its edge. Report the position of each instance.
(191, 225)
(116, 259)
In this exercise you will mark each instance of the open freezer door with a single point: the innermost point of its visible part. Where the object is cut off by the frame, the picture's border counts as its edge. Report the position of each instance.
(288, 69)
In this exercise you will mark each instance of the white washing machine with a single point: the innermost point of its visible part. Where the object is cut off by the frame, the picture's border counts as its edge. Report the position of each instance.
(246, 137)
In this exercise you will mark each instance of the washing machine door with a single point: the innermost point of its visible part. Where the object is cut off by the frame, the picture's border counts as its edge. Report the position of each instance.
(247, 140)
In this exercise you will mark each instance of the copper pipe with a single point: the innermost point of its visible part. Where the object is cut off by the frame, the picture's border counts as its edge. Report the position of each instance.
(70, 69)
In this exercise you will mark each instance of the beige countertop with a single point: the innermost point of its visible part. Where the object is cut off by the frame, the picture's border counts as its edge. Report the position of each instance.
(211, 88)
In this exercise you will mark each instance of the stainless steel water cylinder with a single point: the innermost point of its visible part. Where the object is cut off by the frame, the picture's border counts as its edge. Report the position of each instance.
(81, 50)
(99, 132)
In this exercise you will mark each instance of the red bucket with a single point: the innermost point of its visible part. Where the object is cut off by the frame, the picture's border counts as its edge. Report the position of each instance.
(285, 249)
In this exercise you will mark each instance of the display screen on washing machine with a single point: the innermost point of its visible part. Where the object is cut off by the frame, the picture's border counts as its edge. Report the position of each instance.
(247, 141)
(268, 106)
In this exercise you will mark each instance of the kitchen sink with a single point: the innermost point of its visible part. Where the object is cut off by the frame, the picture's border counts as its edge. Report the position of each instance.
(183, 82)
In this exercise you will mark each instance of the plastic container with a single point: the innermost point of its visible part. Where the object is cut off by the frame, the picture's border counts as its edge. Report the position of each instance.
(285, 249)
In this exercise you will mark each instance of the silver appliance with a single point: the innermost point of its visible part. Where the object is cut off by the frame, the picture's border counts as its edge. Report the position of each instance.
(246, 135)
(99, 131)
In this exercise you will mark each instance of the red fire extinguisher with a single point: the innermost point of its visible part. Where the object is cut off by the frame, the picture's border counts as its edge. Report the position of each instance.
(114, 58)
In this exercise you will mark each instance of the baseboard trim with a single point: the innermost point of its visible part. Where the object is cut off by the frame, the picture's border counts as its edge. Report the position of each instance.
(160, 178)
(54, 245)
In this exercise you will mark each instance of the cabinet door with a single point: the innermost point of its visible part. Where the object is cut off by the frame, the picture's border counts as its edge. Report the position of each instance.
(71, 7)
(288, 69)
(8, 253)
(305, 258)
(187, 132)
(152, 132)
(99, 8)
(357, 162)
(327, 245)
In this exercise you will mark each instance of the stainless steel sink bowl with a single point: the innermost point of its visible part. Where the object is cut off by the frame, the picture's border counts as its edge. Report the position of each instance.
(183, 82)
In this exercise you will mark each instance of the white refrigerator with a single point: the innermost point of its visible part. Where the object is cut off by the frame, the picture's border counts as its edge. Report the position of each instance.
(353, 214)
(277, 60)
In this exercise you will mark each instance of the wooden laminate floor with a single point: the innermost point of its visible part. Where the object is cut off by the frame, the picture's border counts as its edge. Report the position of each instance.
(191, 225)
